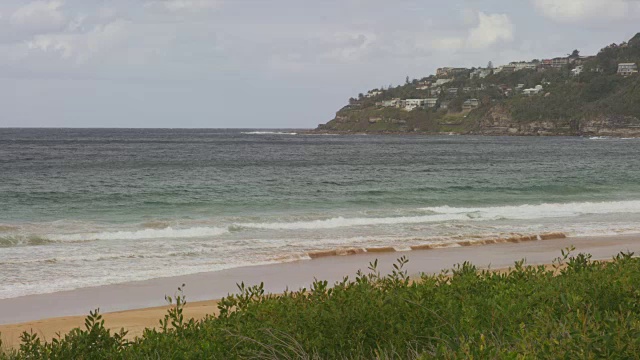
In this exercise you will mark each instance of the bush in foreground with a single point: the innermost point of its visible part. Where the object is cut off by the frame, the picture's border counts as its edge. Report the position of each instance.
(578, 309)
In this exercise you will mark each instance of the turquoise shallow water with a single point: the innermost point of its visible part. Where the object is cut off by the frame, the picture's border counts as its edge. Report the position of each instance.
(84, 207)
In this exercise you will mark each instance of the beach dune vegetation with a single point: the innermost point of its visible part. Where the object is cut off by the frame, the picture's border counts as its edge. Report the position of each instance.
(577, 308)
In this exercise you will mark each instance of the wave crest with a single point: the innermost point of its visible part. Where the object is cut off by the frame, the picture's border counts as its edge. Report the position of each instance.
(547, 210)
(455, 214)
(269, 133)
(168, 232)
(21, 240)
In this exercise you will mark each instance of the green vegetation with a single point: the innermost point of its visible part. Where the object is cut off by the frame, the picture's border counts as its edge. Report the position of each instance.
(580, 309)
(571, 103)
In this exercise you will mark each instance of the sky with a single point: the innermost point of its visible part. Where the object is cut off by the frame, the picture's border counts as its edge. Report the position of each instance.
(263, 63)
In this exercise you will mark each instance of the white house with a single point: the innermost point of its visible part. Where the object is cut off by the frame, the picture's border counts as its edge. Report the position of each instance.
(440, 82)
(577, 70)
(391, 103)
(523, 65)
(411, 104)
(534, 91)
(470, 104)
(431, 102)
(480, 73)
(626, 69)
(505, 68)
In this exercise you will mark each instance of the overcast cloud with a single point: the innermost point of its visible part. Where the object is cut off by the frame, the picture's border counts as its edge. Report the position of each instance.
(256, 63)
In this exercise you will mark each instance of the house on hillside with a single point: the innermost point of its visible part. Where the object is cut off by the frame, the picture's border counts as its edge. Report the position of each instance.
(559, 62)
(442, 72)
(626, 69)
(523, 65)
(504, 68)
(577, 70)
(423, 85)
(480, 73)
(441, 82)
(412, 104)
(470, 104)
(449, 71)
(431, 102)
(391, 103)
(373, 93)
(582, 59)
(533, 91)
(456, 71)
(452, 91)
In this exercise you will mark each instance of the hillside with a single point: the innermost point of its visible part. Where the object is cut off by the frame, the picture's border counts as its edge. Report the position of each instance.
(573, 95)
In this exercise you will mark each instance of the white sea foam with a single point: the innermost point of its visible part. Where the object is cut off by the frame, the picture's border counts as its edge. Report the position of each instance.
(525, 212)
(345, 222)
(269, 133)
(144, 234)
(447, 213)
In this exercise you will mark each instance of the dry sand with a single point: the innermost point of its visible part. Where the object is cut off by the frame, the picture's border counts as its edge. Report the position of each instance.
(64, 311)
(134, 321)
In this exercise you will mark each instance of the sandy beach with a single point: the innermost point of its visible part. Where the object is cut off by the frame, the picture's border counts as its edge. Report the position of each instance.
(137, 305)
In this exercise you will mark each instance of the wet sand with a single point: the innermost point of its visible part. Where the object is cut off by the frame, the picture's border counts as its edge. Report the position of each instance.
(63, 311)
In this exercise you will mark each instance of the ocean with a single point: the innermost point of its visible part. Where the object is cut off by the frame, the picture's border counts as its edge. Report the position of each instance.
(90, 207)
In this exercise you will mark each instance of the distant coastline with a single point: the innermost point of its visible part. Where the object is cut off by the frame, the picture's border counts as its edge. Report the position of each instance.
(574, 95)
(610, 135)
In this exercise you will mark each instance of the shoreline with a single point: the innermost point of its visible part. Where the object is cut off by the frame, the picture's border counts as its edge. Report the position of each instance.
(454, 133)
(137, 305)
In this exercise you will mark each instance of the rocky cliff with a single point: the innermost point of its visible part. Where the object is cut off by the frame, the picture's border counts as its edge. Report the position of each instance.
(499, 121)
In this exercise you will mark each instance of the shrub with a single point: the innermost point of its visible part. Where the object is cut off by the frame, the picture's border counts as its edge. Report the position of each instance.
(577, 309)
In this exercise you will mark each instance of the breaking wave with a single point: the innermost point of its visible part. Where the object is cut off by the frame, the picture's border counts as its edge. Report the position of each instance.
(145, 234)
(21, 240)
(525, 212)
(344, 222)
(447, 213)
(269, 133)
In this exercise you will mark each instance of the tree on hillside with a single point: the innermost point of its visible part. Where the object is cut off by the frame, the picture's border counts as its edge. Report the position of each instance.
(575, 54)
(490, 65)
(406, 81)
(635, 41)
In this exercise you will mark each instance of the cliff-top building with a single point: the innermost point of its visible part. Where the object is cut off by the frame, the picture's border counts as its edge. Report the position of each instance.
(449, 71)
(626, 69)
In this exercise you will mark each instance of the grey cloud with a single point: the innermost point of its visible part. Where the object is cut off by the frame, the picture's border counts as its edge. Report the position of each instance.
(209, 56)
(39, 16)
(572, 11)
(184, 5)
